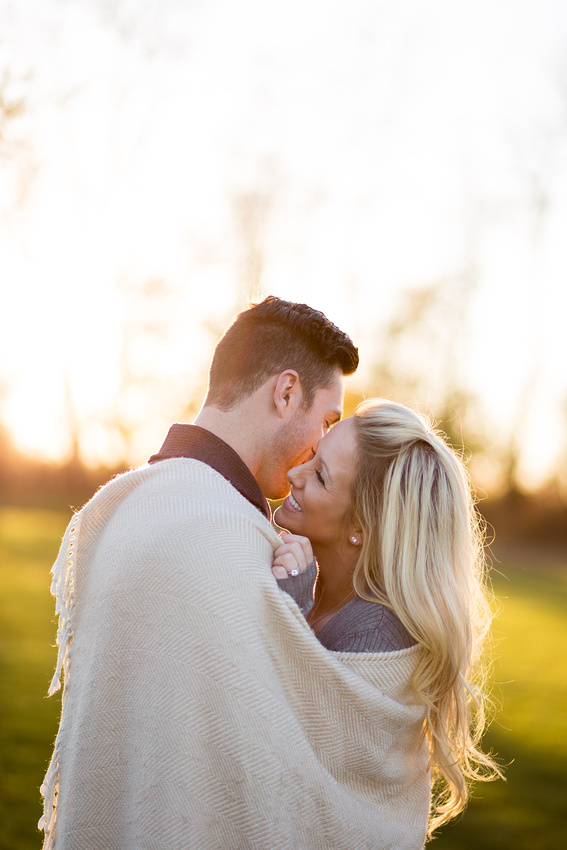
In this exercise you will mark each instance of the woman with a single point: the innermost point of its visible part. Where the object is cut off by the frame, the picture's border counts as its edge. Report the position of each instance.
(387, 508)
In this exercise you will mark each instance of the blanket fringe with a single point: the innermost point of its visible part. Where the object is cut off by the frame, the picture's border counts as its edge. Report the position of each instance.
(62, 587)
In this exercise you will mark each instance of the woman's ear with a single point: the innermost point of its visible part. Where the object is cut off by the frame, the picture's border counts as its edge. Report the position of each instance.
(287, 392)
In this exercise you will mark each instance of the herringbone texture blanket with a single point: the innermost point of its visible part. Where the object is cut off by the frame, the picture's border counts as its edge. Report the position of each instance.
(199, 709)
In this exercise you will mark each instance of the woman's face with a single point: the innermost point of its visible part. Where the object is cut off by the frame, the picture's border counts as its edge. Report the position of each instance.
(321, 489)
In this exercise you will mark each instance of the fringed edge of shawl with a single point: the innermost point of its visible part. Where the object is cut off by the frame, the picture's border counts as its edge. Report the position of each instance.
(62, 587)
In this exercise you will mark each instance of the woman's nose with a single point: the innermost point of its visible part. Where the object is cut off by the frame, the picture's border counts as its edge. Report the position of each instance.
(294, 476)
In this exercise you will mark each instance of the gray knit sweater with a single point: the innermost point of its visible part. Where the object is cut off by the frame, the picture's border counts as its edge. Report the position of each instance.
(359, 626)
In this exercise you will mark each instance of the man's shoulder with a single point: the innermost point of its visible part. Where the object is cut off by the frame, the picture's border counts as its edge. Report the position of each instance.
(190, 476)
(182, 488)
(167, 474)
(178, 509)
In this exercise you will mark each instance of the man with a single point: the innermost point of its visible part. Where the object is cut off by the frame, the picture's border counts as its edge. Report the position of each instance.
(160, 577)
(275, 388)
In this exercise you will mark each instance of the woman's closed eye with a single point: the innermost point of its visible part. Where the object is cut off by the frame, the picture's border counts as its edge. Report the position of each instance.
(317, 472)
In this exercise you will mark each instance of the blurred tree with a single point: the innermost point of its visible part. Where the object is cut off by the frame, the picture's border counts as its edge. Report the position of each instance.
(250, 211)
(422, 354)
(155, 381)
(18, 164)
(11, 107)
(558, 481)
(536, 168)
(139, 387)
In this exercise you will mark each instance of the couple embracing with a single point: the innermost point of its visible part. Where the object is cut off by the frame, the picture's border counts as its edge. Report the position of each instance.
(229, 687)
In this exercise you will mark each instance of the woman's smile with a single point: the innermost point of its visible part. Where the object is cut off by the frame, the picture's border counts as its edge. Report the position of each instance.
(293, 503)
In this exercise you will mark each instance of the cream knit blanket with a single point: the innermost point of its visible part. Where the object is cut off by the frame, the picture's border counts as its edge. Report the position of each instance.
(199, 710)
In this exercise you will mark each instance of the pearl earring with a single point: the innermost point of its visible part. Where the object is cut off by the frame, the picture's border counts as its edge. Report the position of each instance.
(354, 540)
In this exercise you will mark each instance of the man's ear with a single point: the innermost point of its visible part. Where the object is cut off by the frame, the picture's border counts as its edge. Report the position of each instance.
(287, 392)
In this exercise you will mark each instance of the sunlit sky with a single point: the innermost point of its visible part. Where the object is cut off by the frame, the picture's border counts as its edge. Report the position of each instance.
(388, 145)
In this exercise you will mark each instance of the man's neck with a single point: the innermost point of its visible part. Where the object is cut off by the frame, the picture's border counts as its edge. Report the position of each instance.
(236, 428)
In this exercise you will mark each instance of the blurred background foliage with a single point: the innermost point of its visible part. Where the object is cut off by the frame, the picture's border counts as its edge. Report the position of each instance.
(422, 338)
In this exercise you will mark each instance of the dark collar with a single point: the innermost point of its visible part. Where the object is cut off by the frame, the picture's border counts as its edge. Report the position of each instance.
(198, 443)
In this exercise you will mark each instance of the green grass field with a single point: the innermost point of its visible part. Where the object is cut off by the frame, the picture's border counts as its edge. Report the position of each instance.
(528, 812)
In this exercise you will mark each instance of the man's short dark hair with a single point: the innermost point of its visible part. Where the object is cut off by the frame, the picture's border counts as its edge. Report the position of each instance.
(269, 338)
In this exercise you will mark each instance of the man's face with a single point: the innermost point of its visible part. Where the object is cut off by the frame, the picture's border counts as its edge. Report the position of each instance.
(298, 437)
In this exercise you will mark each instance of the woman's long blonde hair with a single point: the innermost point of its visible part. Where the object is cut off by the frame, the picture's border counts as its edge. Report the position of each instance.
(423, 556)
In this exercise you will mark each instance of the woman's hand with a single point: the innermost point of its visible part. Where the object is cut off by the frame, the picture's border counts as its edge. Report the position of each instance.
(293, 556)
